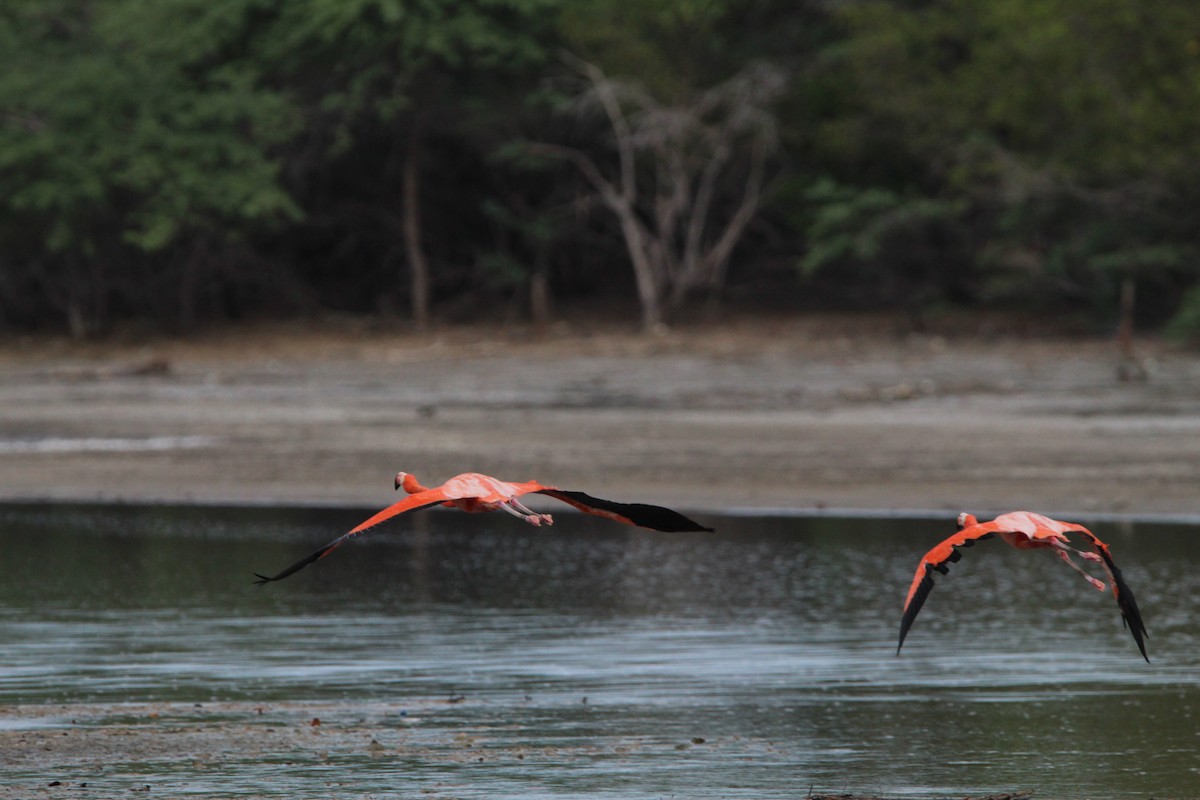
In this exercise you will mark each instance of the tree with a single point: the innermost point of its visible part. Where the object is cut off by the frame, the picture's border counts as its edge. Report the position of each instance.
(404, 72)
(1051, 131)
(127, 132)
(152, 153)
(687, 178)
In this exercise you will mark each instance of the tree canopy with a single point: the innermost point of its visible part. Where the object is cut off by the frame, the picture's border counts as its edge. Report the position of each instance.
(184, 161)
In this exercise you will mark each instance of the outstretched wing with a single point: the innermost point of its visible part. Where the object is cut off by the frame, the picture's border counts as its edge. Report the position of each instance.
(410, 503)
(644, 516)
(1130, 616)
(939, 558)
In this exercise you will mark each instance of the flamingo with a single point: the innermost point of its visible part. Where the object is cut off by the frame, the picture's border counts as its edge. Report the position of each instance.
(473, 493)
(1023, 530)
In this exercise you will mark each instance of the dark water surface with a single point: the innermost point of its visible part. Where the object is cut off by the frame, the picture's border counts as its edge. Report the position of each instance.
(755, 662)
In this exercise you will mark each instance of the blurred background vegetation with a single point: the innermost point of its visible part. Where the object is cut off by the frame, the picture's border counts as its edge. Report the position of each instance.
(176, 163)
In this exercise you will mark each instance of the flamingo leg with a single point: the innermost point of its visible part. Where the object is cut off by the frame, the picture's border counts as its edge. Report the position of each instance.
(519, 506)
(1064, 552)
(521, 512)
(1086, 555)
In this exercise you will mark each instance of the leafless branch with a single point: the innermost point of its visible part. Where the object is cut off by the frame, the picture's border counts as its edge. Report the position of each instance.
(687, 153)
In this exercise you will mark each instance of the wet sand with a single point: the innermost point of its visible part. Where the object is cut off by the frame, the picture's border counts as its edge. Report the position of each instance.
(797, 415)
(122, 750)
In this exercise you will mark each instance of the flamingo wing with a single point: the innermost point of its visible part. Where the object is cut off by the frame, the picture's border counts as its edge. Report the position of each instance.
(643, 516)
(430, 497)
(1131, 617)
(939, 558)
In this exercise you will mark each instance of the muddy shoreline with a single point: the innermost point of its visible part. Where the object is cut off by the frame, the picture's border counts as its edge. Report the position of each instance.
(792, 415)
(121, 750)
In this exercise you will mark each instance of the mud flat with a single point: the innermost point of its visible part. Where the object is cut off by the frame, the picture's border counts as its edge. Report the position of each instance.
(797, 415)
(283, 749)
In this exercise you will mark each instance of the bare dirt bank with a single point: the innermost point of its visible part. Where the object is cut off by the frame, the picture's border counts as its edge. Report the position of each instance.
(796, 414)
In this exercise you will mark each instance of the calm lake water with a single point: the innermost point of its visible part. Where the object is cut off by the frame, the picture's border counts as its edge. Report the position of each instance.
(757, 662)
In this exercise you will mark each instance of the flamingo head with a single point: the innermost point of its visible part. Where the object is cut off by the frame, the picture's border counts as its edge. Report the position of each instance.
(966, 520)
(409, 482)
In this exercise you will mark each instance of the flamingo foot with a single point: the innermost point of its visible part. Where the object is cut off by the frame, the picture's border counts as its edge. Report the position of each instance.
(514, 507)
(1064, 553)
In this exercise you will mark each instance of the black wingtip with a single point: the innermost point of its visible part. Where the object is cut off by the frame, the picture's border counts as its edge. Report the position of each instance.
(914, 606)
(905, 624)
(1131, 616)
(655, 518)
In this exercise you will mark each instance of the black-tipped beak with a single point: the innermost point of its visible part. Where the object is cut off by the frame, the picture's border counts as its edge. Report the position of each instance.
(397, 482)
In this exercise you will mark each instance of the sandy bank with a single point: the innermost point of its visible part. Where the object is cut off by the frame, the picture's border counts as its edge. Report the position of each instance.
(784, 414)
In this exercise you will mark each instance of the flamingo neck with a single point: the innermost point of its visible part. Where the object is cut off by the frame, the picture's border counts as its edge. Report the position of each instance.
(411, 485)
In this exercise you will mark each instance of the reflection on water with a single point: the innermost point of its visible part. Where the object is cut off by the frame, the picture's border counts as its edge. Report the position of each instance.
(758, 661)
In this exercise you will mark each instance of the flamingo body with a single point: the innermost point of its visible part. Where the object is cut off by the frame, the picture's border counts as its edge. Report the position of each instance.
(474, 493)
(1023, 530)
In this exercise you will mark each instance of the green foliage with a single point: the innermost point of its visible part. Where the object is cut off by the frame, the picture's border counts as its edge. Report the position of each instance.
(376, 56)
(1049, 132)
(1093, 91)
(105, 114)
(132, 137)
(663, 42)
(174, 127)
(675, 47)
(434, 85)
(904, 246)
(1143, 260)
(207, 157)
(846, 224)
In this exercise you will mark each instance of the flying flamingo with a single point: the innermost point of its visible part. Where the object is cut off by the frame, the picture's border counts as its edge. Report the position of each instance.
(1023, 530)
(473, 492)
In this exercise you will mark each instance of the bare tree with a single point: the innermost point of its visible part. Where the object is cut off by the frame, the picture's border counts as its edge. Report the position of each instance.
(687, 178)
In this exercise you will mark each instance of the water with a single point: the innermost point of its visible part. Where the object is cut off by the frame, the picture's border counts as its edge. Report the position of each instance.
(472, 656)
